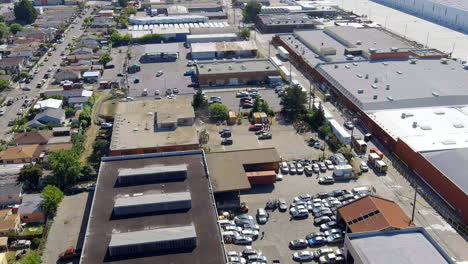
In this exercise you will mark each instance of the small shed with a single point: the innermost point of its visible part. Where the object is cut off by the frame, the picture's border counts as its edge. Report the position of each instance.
(91, 76)
(260, 117)
(232, 117)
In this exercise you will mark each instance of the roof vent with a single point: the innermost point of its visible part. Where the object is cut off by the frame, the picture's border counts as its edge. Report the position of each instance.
(209, 69)
(367, 76)
(403, 115)
(202, 66)
(376, 80)
(230, 67)
(135, 129)
(426, 127)
(347, 66)
(243, 67)
(413, 61)
(387, 87)
(375, 97)
(458, 124)
(449, 142)
(415, 124)
(389, 98)
(359, 75)
(444, 61)
(439, 112)
(360, 91)
(394, 49)
(358, 42)
(137, 194)
(399, 72)
(435, 94)
(374, 86)
(355, 64)
(385, 63)
(336, 66)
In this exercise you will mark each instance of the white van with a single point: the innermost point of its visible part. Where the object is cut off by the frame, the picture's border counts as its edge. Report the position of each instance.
(359, 190)
(226, 222)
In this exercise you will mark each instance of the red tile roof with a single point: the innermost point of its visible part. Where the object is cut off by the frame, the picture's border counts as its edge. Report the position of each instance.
(372, 213)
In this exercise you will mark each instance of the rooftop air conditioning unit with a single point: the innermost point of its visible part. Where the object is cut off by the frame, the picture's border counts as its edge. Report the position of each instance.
(367, 76)
(375, 97)
(435, 94)
(376, 80)
(415, 124)
(360, 91)
(413, 61)
(444, 61)
(336, 66)
(389, 98)
(388, 87)
(394, 49)
(359, 42)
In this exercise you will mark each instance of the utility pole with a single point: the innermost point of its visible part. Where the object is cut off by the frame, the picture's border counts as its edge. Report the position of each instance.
(313, 96)
(310, 94)
(414, 203)
(269, 49)
(290, 72)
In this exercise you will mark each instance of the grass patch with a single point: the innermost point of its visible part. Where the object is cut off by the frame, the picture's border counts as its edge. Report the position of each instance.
(33, 229)
(11, 256)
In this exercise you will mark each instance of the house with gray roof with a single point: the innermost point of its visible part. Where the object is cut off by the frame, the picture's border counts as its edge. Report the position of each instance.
(48, 116)
(10, 192)
(31, 210)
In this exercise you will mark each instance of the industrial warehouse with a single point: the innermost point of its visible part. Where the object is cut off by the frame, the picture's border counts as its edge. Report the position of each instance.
(162, 205)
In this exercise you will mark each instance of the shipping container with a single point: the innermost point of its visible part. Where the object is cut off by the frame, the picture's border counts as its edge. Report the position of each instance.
(283, 53)
(261, 177)
(343, 136)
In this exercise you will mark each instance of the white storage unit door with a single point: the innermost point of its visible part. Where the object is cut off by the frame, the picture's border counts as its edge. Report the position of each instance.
(233, 81)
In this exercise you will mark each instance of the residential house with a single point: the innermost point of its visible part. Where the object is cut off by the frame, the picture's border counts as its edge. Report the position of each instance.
(67, 76)
(90, 43)
(49, 103)
(33, 137)
(76, 58)
(48, 116)
(12, 65)
(31, 210)
(9, 222)
(103, 22)
(20, 154)
(43, 34)
(10, 192)
(28, 54)
(61, 131)
(82, 51)
(77, 102)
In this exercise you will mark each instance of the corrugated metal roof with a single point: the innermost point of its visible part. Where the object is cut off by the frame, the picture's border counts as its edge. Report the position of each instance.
(142, 199)
(155, 235)
(372, 213)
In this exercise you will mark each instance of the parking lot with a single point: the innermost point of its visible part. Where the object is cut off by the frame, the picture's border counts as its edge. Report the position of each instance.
(288, 143)
(228, 97)
(172, 74)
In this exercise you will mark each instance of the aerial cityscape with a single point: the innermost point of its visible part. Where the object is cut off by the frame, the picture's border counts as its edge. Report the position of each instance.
(234, 131)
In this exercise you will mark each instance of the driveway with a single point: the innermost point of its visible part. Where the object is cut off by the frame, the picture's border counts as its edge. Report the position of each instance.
(66, 227)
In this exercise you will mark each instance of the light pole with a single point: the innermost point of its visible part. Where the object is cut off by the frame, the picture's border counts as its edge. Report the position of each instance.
(414, 203)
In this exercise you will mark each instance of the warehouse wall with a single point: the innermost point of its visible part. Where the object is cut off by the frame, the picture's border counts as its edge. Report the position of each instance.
(455, 196)
(126, 152)
(441, 14)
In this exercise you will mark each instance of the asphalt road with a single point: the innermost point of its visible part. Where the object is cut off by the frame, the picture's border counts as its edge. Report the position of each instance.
(19, 95)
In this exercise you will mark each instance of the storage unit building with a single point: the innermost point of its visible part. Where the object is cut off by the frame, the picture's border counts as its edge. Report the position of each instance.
(152, 203)
(261, 177)
(156, 240)
(152, 174)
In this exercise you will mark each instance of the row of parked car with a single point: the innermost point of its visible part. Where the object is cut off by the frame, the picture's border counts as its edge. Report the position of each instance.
(322, 256)
(241, 231)
(309, 167)
(248, 255)
(247, 97)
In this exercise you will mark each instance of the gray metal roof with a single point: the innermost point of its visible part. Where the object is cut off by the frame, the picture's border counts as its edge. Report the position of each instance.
(32, 203)
(368, 38)
(155, 235)
(288, 19)
(445, 161)
(410, 245)
(235, 66)
(162, 48)
(151, 170)
(152, 199)
(425, 83)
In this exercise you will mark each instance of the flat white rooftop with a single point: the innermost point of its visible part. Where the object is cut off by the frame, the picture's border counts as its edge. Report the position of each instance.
(426, 129)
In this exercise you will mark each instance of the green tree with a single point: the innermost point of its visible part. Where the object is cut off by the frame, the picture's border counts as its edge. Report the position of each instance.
(78, 141)
(347, 152)
(219, 112)
(251, 10)
(69, 112)
(316, 118)
(130, 10)
(25, 11)
(4, 31)
(105, 58)
(325, 131)
(88, 171)
(123, 3)
(100, 149)
(66, 167)
(4, 84)
(30, 175)
(293, 102)
(15, 27)
(52, 197)
(245, 33)
(31, 258)
(85, 115)
(24, 75)
(151, 38)
(199, 101)
(265, 107)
